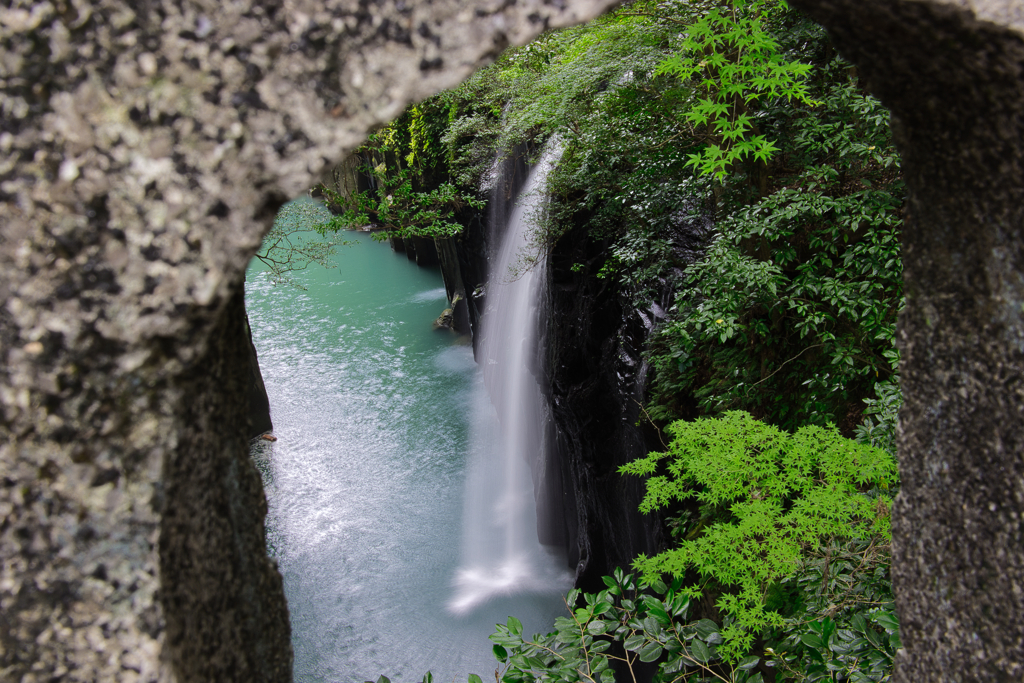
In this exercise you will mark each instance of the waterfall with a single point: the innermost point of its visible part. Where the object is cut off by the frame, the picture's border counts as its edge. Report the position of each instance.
(501, 553)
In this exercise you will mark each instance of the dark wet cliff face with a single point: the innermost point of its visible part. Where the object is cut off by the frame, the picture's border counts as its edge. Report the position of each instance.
(480, 240)
(593, 368)
(596, 376)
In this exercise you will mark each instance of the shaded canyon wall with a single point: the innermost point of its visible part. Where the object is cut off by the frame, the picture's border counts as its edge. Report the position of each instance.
(596, 377)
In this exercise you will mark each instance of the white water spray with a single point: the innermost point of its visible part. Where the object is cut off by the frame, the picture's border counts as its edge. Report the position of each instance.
(501, 554)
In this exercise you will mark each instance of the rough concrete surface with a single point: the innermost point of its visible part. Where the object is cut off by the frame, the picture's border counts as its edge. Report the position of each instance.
(145, 147)
(1008, 13)
(953, 78)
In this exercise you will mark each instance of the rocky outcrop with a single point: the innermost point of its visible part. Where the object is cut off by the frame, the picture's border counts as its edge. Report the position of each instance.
(213, 565)
(144, 152)
(445, 321)
(952, 73)
(454, 285)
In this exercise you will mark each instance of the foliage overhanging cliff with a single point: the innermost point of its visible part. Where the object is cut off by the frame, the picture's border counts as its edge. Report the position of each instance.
(682, 114)
(726, 181)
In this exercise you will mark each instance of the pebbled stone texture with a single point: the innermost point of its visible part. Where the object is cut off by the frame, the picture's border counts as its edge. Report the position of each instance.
(145, 147)
(952, 72)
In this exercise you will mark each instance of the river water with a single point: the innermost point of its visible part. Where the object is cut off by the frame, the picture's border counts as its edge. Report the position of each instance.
(366, 483)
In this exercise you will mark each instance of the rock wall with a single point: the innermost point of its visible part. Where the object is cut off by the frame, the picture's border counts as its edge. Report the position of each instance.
(596, 332)
(466, 259)
(213, 565)
(952, 73)
(145, 149)
(259, 402)
(595, 336)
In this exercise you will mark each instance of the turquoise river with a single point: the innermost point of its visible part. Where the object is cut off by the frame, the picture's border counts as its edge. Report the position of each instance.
(366, 483)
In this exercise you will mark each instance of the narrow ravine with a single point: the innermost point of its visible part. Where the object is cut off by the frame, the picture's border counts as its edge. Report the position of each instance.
(365, 485)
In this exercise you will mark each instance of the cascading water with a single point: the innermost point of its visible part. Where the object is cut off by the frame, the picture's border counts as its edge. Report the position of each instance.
(501, 553)
(364, 487)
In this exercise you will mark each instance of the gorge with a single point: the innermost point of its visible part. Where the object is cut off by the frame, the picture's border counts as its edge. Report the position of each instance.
(365, 483)
(379, 418)
(146, 150)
